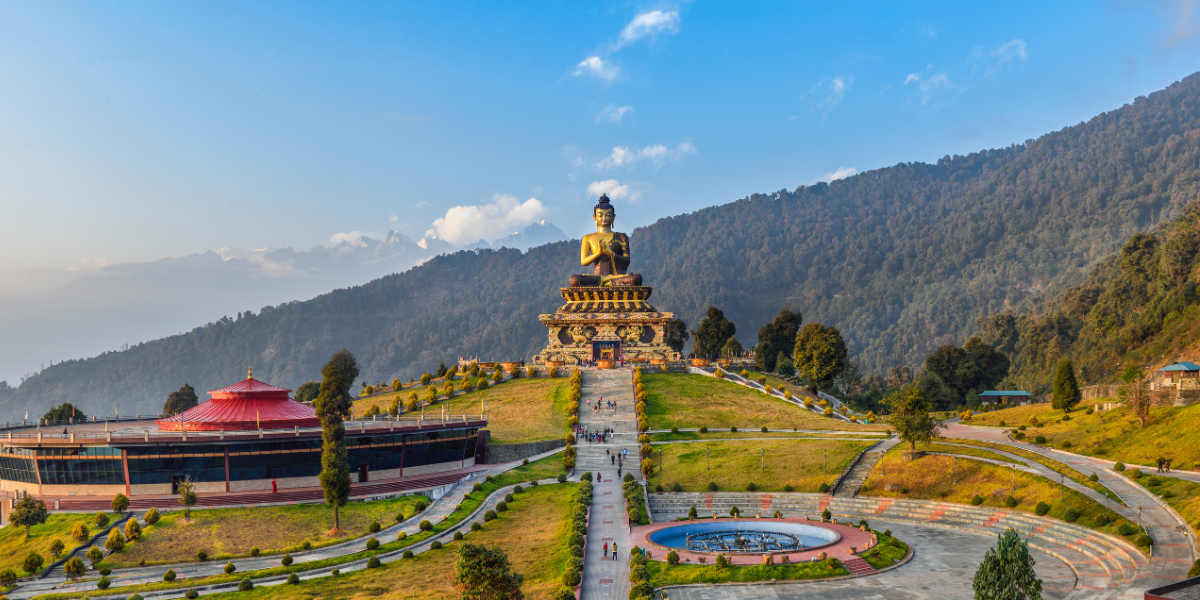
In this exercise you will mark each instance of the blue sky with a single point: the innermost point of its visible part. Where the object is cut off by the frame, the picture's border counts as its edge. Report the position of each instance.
(134, 131)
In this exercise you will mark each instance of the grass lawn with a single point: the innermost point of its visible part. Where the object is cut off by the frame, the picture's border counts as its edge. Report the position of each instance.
(681, 574)
(932, 478)
(1182, 495)
(695, 400)
(889, 551)
(1021, 415)
(533, 532)
(519, 410)
(231, 532)
(14, 547)
(1057, 466)
(721, 434)
(799, 463)
(936, 447)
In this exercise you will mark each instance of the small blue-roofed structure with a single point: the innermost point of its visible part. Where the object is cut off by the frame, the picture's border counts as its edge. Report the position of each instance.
(1020, 397)
(1181, 366)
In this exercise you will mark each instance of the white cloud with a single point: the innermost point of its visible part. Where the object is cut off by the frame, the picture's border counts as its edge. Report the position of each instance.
(395, 218)
(827, 94)
(937, 90)
(840, 173)
(911, 78)
(466, 224)
(657, 154)
(613, 188)
(594, 65)
(647, 24)
(992, 61)
(613, 113)
(352, 236)
(425, 203)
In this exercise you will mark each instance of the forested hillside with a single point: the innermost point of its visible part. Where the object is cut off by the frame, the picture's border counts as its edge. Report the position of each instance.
(902, 259)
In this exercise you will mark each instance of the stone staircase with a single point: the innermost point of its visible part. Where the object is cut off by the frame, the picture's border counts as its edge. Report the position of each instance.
(1106, 566)
(615, 385)
(850, 484)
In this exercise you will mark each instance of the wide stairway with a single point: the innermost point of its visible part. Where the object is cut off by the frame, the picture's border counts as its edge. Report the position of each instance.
(616, 386)
(853, 481)
(1107, 566)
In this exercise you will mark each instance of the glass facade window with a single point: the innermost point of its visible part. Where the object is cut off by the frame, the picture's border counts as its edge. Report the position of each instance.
(274, 459)
(16, 464)
(93, 465)
(156, 464)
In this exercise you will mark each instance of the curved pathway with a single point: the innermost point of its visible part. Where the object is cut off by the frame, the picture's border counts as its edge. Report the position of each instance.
(942, 568)
(1173, 549)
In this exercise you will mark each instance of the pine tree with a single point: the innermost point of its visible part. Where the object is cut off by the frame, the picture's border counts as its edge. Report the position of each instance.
(1007, 571)
(819, 354)
(910, 416)
(1066, 388)
(333, 405)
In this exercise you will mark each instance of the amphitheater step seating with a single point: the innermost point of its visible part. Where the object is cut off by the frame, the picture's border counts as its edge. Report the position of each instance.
(853, 480)
(860, 567)
(1106, 565)
(289, 496)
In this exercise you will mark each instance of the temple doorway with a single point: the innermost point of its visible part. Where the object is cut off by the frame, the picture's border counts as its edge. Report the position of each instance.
(606, 350)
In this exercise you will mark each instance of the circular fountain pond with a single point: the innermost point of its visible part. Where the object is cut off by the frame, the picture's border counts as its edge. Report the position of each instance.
(744, 537)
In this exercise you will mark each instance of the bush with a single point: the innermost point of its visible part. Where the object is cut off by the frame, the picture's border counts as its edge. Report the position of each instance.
(56, 550)
(826, 516)
(106, 571)
(787, 487)
(1089, 411)
(1136, 473)
(824, 487)
(733, 429)
(476, 526)
(1093, 477)
(81, 532)
(672, 558)
(436, 545)
(1120, 466)
(722, 562)
(407, 554)
(33, 562)
(169, 575)
(674, 429)
(1072, 515)
(374, 527)
(103, 583)
(402, 535)
(293, 579)
(562, 477)
(373, 563)
(704, 429)
(976, 500)
(201, 556)
(229, 568)
(286, 560)
(1067, 443)
(712, 486)
(1143, 540)
(255, 551)
(501, 507)
(95, 555)
(245, 585)
(571, 578)
(1019, 435)
(458, 536)
(490, 515)
(372, 543)
(1020, 428)
(1041, 509)
(335, 572)
(518, 489)
(420, 505)
(151, 516)
(1195, 570)
(116, 541)
(1126, 529)
(426, 525)
(193, 594)
(101, 520)
(1011, 502)
(133, 531)
(74, 567)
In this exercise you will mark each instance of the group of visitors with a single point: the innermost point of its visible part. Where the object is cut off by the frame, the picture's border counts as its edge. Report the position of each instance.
(1164, 465)
(594, 435)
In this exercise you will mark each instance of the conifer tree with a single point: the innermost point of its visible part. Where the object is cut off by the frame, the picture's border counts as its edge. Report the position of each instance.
(1066, 388)
(333, 405)
(1006, 572)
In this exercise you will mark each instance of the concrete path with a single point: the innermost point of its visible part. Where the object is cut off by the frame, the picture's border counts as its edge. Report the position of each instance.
(1173, 548)
(603, 577)
(55, 582)
(942, 568)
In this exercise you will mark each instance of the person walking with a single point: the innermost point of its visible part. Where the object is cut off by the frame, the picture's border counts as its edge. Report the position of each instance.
(605, 549)
(614, 551)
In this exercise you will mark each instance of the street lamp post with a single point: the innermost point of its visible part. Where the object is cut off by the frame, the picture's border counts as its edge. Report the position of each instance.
(955, 470)
(1014, 467)
(763, 461)
(660, 460)
(826, 462)
(708, 458)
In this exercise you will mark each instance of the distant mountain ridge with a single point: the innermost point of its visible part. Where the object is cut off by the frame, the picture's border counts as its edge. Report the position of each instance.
(902, 259)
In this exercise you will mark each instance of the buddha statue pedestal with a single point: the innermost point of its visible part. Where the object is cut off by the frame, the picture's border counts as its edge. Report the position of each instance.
(606, 323)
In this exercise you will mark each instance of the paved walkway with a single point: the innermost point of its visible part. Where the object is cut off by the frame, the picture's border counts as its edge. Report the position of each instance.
(603, 577)
(942, 568)
(54, 582)
(1173, 553)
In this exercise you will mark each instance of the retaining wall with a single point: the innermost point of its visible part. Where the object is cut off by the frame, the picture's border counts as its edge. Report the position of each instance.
(494, 454)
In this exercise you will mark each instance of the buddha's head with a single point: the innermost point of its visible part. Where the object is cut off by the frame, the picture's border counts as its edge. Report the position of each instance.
(604, 215)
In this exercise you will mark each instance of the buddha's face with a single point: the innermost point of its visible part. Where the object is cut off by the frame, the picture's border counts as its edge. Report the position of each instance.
(604, 217)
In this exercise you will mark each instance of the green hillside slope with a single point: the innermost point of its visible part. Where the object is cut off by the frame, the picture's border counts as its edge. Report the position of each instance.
(901, 259)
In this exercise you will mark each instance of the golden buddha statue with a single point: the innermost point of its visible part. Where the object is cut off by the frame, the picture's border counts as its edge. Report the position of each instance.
(606, 251)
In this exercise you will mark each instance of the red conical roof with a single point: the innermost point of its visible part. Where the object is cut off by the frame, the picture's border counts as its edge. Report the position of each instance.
(246, 405)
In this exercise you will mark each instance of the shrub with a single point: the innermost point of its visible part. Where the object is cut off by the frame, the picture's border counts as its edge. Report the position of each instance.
(402, 535)
(103, 583)
(1195, 570)
(672, 558)
(101, 519)
(115, 541)
(518, 489)
(120, 503)
(201, 556)
(458, 536)
(74, 567)
(1143, 540)
(1093, 477)
(106, 571)
(733, 429)
(1041, 509)
(1003, 424)
(1072, 515)
(490, 515)
(789, 487)
(169, 575)
(824, 487)
(33, 562)
(372, 543)
(1011, 502)
(1136, 473)
(1067, 443)
(562, 477)
(151, 516)
(293, 579)
(193, 594)
(1120, 466)
(373, 563)
(1019, 435)
(426, 525)
(751, 487)
(571, 578)
(1041, 439)
(722, 562)
(286, 560)
(95, 555)
(478, 487)
(1090, 410)
(420, 505)
(133, 531)
(976, 500)
(335, 572)
(81, 532)
(1126, 529)
(826, 516)
(674, 429)
(476, 526)
(135, 597)
(501, 507)
(245, 585)
(658, 488)
(1020, 428)
(229, 568)
(704, 429)
(675, 487)
(712, 486)
(56, 549)
(255, 551)
(436, 545)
